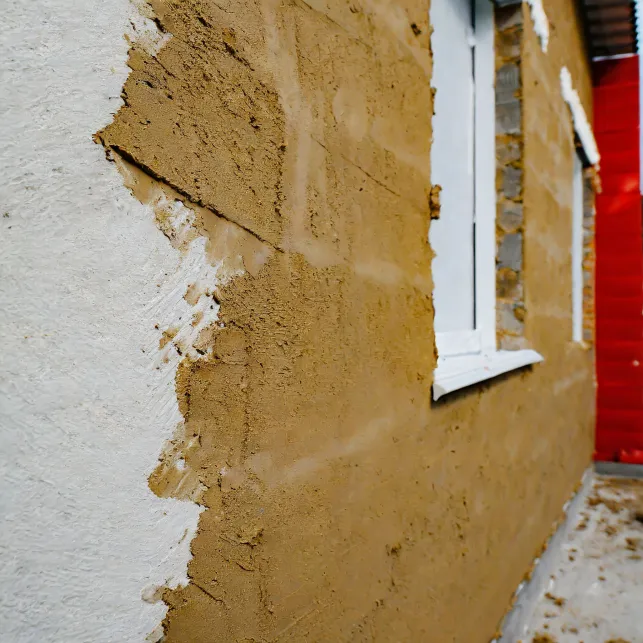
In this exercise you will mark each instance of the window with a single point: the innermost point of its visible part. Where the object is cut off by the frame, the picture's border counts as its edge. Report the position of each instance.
(463, 164)
(577, 251)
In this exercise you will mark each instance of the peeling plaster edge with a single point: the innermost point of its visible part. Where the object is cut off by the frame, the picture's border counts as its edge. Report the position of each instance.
(170, 309)
(579, 118)
(528, 594)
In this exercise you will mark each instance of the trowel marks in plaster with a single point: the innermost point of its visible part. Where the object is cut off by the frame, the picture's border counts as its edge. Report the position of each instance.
(319, 355)
(213, 251)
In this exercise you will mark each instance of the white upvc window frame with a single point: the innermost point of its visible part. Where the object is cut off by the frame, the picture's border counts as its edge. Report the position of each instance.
(469, 357)
(483, 338)
(577, 249)
(586, 154)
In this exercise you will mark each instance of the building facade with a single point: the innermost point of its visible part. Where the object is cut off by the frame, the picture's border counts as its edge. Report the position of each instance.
(298, 299)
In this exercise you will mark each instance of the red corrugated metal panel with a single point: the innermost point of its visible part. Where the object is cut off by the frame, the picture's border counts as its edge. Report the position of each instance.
(612, 443)
(621, 182)
(616, 71)
(620, 286)
(630, 369)
(622, 160)
(622, 397)
(613, 142)
(609, 330)
(618, 205)
(620, 350)
(619, 263)
(620, 422)
(618, 308)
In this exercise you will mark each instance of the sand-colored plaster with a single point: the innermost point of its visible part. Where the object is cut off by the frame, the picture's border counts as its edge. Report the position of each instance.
(342, 505)
(569, 48)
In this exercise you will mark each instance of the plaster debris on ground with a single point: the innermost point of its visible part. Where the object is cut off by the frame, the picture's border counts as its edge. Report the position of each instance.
(595, 591)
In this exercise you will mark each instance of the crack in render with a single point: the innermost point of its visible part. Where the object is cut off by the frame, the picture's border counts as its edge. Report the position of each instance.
(158, 177)
(361, 169)
(312, 610)
(212, 596)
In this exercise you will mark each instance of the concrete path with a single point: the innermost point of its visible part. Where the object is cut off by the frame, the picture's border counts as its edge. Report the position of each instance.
(591, 587)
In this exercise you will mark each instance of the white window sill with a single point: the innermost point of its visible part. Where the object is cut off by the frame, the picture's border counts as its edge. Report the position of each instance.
(454, 373)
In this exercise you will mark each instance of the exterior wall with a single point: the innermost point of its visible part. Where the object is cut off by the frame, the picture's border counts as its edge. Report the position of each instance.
(510, 176)
(282, 150)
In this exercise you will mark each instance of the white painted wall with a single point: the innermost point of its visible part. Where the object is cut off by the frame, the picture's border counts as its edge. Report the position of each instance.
(83, 410)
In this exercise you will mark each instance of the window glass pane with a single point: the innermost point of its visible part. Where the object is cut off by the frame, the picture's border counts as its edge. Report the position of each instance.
(452, 165)
(577, 252)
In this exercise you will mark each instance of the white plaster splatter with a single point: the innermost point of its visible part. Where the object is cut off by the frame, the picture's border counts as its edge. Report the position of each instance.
(541, 23)
(579, 117)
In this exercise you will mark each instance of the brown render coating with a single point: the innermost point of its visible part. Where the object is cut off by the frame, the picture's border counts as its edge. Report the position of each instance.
(341, 504)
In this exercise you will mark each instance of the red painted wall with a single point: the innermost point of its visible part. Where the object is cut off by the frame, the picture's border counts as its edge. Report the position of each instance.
(619, 263)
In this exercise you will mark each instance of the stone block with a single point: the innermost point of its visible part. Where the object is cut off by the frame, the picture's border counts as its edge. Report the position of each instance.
(510, 216)
(507, 320)
(507, 152)
(508, 284)
(507, 83)
(509, 117)
(508, 43)
(512, 182)
(508, 17)
(510, 252)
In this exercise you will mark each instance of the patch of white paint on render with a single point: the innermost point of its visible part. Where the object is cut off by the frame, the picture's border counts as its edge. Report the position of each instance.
(85, 406)
(541, 23)
(579, 117)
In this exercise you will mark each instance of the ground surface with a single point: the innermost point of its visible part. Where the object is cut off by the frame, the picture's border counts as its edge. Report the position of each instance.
(595, 591)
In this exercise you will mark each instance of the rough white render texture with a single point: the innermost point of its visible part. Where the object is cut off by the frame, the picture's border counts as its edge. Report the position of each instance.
(84, 277)
(582, 126)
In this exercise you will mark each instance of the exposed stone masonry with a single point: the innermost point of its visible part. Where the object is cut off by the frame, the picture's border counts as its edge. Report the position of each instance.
(510, 311)
(589, 255)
